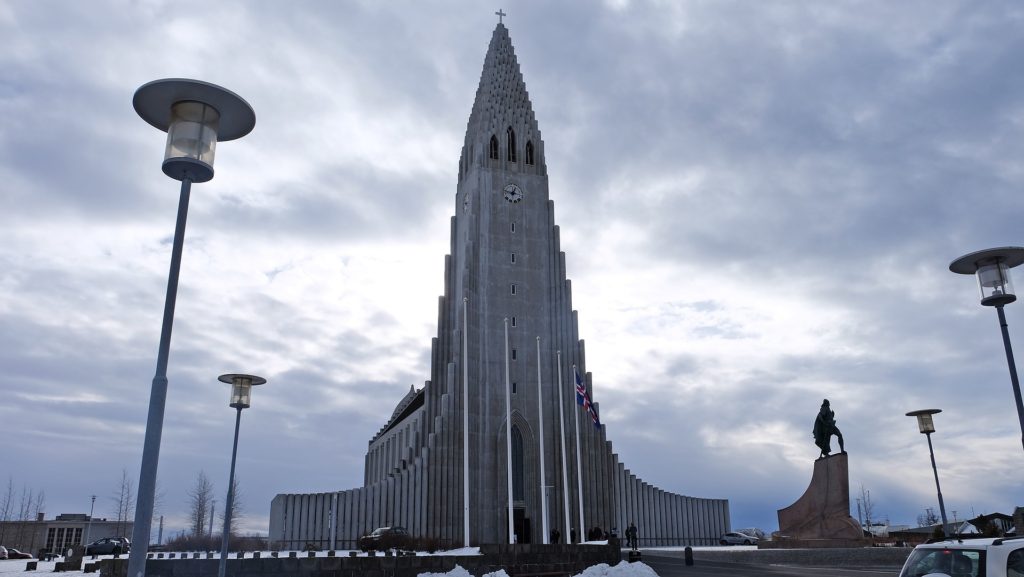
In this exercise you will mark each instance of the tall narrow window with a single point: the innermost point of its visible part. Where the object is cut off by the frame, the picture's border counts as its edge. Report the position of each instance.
(514, 387)
(494, 147)
(511, 141)
(529, 152)
(513, 258)
(513, 321)
(513, 288)
(513, 226)
(518, 473)
(513, 354)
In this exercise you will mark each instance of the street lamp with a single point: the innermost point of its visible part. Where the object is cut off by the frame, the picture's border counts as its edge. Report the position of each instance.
(88, 527)
(195, 115)
(241, 395)
(992, 268)
(927, 427)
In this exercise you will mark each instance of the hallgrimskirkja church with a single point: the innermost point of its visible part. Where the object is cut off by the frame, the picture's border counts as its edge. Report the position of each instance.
(502, 444)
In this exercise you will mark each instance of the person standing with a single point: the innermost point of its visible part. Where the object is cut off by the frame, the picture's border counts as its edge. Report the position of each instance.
(631, 536)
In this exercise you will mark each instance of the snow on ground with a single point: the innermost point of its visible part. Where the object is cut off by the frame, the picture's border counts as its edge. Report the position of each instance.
(16, 568)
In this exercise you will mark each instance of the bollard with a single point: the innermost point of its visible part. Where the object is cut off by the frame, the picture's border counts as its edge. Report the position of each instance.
(31, 565)
(688, 555)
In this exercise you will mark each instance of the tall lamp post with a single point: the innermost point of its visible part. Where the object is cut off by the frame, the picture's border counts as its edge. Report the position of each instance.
(241, 395)
(88, 528)
(927, 427)
(992, 268)
(195, 115)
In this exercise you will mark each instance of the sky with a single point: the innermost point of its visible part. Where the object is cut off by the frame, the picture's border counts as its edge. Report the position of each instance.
(758, 202)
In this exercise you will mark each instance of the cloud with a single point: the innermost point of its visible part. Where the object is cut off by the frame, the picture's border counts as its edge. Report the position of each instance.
(757, 205)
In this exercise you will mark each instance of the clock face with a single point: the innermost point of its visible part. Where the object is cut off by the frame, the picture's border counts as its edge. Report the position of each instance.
(513, 193)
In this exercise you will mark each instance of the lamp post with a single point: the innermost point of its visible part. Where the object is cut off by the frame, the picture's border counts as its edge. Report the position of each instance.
(88, 528)
(195, 115)
(927, 427)
(992, 268)
(241, 395)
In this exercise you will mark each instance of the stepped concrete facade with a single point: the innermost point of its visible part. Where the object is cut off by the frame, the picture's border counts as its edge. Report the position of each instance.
(507, 338)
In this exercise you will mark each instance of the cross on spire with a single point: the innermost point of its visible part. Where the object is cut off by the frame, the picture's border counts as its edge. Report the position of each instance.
(500, 15)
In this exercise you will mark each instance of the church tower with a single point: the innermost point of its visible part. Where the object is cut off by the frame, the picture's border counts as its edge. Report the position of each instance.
(492, 420)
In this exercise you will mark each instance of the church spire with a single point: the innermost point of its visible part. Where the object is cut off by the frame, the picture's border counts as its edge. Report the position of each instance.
(502, 126)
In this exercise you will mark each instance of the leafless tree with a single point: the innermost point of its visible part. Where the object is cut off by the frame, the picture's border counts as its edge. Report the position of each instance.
(27, 506)
(123, 498)
(237, 510)
(200, 498)
(6, 507)
(867, 507)
(928, 518)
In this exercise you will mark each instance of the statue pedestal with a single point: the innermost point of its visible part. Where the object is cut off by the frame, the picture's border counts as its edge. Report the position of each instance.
(821, 517)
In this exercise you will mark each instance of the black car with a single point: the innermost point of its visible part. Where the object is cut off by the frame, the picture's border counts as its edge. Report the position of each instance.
(108, 546)
(385, 538)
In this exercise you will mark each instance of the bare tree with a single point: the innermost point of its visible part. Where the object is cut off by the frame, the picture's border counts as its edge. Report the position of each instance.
(237, 509)
(928, 518)
(6, 507)
(123, 498)
(200, 498)
(26, 503)
(38, 510)
(867, 507)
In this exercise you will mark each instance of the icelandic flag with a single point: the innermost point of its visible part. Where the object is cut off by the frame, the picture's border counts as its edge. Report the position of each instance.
(582, 398)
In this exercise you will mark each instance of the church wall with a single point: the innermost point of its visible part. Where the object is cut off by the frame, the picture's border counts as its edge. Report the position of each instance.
(414, 471)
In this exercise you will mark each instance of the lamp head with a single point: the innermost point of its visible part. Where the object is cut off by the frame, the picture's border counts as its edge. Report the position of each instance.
(924, 419)
(241, 388)
(195, 115)
(992, 269)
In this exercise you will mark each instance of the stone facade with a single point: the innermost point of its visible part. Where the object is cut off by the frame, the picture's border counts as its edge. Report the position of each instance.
(506, 289)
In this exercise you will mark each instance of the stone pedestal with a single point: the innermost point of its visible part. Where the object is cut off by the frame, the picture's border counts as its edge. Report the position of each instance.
(821, 517)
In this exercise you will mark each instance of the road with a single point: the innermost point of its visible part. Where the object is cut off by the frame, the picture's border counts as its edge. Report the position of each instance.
(676, 567)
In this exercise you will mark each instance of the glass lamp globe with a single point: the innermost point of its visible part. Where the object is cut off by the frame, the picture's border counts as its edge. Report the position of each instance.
(195, 115)
(241, 388)
(992, 267)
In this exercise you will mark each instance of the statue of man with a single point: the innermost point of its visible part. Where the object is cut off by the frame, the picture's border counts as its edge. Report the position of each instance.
(824, 428)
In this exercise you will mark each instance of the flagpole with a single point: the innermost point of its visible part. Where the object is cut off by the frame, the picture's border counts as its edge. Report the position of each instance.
(579, 463)
(465, 422)
(508, 439)
(565, 468)
(543, 477)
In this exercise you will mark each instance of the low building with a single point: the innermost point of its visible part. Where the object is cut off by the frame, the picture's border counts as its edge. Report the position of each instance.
(59, 534)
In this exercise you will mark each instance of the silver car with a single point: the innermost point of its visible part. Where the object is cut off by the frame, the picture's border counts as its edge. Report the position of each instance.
(737, 539)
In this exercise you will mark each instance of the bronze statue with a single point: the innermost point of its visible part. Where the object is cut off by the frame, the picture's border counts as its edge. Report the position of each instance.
(824, 428)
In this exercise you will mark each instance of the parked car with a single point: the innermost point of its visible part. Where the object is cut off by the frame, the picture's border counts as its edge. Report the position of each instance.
(3, 553)
(13, 553)
(1003, 557)
(109, 546)
(737, 539)
(385, 538)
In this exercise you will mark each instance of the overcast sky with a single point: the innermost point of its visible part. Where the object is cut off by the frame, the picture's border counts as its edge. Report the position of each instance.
(758, 202)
